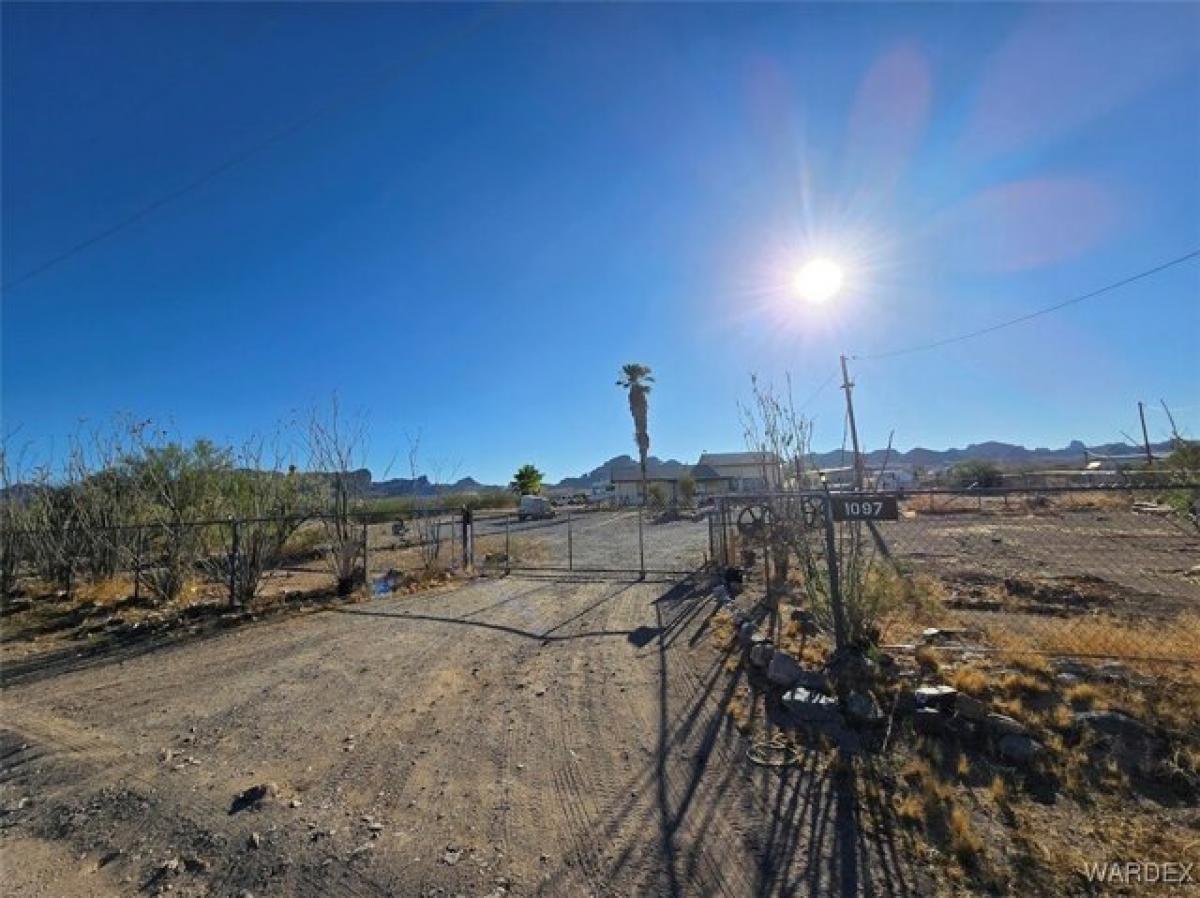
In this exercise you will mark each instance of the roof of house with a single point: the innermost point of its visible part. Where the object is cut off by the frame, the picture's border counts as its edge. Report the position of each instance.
(705, 472)
(739, 458)
(653, 472)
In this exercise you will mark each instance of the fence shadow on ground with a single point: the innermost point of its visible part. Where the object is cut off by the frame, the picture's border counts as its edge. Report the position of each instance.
(808, 829)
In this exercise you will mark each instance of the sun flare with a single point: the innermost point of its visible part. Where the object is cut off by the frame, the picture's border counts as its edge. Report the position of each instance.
(819, 280)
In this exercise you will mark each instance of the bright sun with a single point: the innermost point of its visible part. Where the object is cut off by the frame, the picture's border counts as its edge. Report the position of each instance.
(819, 280)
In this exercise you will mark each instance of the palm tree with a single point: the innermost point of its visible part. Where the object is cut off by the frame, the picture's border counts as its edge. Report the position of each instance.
(636, 379)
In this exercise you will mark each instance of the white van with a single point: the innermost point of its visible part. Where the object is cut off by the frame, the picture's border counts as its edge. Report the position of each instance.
(534, 508)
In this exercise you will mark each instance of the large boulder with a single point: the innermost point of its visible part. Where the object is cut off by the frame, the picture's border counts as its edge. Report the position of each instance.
(1113, 723)
(1000, 726)
(1020, 749)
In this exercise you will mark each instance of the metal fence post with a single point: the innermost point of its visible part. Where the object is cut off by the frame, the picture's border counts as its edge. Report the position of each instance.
(137, 564)
(233, 562)
(835, 586)
(641, 544)
(570, 544)
(507, 547)
(712, 544)
(366, 559)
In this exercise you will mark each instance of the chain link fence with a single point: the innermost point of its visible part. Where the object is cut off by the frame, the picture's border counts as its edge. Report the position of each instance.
(1092, 573)
(237, 560)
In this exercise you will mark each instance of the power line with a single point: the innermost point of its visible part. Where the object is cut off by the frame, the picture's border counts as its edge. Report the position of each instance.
(1022, 318)
(817, 392)
(386, 75)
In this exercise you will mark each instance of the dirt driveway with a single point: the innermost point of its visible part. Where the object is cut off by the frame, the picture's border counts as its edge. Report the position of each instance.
(509, 737)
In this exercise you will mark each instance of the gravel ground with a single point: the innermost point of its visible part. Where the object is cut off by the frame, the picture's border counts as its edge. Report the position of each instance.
(512, 736)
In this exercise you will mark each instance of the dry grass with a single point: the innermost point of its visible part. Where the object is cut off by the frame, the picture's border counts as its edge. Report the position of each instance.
(1104, 636)
(1098, 500)
(741, 710)
(971, 679)
(927, 659)
(1024, 685)
(964, 841)
(723, 630)
(1083, 696)
(522, 549)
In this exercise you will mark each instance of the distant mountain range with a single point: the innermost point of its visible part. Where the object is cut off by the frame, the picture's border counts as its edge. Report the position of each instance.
(1006, 454)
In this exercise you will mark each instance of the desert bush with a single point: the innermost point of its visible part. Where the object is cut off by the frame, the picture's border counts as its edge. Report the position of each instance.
(266, 506)
(656, 496)
(336, 450)
(981, 474)
(687, 492)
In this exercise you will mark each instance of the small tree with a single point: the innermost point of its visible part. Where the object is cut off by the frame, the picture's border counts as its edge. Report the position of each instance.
(13, 521)
(527, 481)
(180, 485)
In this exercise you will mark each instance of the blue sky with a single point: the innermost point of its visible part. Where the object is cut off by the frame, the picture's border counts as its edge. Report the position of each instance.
(488, 210)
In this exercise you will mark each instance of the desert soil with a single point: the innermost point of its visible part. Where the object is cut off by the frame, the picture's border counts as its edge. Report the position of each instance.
(511, 736)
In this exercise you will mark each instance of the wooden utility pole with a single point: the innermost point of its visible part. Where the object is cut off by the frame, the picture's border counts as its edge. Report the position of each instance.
(858, 459)
(1145, 435)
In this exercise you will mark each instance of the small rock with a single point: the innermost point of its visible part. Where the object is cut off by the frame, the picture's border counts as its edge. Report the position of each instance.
(970, 708)
(811, 707)
(294, 803)
(170, 866)
(940, 697)
(928, 721)
(255, 797)
(254, 840)
(746, 634)
(452, 856)
(784, 670)
(760, 655)
(862, 707)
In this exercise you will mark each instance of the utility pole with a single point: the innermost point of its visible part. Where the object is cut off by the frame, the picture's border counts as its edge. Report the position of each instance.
(1145, 436)
(858, 459)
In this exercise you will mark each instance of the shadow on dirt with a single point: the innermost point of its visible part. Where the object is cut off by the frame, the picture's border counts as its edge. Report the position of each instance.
(101, 637)
(822, 829)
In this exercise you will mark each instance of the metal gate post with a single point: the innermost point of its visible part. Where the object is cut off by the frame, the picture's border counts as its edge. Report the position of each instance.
(468, 539)
(366, 560)
(641, 545)
(835, 586)
(570, 544)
